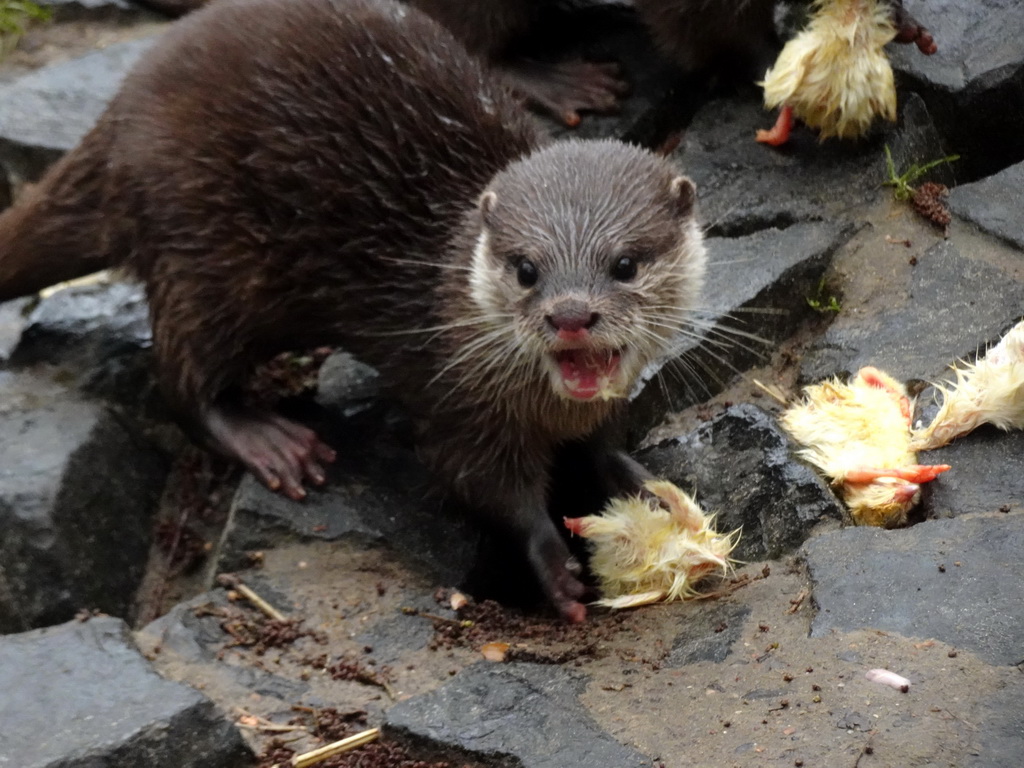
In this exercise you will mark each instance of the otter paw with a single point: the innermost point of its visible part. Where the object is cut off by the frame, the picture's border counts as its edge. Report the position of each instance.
(280, 453)
(564, 89)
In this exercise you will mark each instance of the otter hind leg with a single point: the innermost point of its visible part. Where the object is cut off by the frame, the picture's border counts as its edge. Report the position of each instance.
(281, 453)
(207, 337)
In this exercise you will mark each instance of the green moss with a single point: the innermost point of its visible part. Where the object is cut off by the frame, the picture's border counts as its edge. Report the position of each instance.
(15, 17)
(901, 183)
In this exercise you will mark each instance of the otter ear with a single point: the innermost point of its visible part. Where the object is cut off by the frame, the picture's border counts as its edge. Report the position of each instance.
(684, 193)
(486, 205)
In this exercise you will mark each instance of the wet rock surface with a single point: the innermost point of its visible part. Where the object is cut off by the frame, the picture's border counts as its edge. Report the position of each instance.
(96, 701)
(922, 323)
(552, 729)
(943, 579)
(742, 187)
(968, 85)
(809, 253)
(741, 468)
(78, 489)
(994, 204)
(46, 112)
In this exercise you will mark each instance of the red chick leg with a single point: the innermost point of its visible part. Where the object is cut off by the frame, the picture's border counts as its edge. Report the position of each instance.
(575, 525)
(914, 473)
(779, 133)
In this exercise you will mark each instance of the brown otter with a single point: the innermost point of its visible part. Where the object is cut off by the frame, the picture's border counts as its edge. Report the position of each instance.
(736, 38)
(286, 173)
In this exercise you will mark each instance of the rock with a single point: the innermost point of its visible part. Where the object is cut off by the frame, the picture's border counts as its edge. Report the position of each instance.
(512, 714)
(994, 204)
(81, 694)
(1000, 735)
(987, 474)
(740, 467)
(187, 644)
(708, 634)
(94, 10)
(46, 112)
(100, 331)
(951, 580)
(743, 186)
(376, 492)
(346, 386)
(977, 71)
(770, 270)
(948, 306)
(78, 489)
(12, 322)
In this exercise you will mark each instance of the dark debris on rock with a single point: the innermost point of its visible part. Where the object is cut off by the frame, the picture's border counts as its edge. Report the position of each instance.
(512, 715)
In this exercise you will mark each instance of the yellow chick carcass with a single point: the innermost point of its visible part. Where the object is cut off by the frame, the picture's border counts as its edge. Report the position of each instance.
(653, 547)
(834, 75)
(991, 391)
(859, 435)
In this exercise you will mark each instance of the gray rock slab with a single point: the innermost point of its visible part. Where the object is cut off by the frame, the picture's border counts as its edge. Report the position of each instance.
(376, 492)
(948, 306)
(93, 10)
(78, 488)
(81, 694)
(346, 386)
(892, 581)
(12, 323)
(974, 84)
(100, 331)
(754, 297)
(987, 474)
(47, 111)
(743, 186)
(522, 715)
(995, 204)
(741, 469)
(1000, 738)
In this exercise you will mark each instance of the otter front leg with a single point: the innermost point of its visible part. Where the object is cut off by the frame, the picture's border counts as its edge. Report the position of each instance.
(279, 452)
(556, 569)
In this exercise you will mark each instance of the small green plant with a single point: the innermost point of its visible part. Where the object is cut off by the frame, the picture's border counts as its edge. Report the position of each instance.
(901, 183)
(15, 16)
(820, 303)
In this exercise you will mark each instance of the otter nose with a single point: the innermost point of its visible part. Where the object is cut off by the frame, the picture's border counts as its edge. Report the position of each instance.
(571, 317)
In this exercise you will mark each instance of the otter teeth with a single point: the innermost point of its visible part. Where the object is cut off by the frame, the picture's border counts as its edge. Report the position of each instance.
(588, 373)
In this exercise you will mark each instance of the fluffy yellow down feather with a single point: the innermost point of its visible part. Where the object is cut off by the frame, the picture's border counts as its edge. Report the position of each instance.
(647, 549)
(859, 435)
(834, 74)
(989, 392)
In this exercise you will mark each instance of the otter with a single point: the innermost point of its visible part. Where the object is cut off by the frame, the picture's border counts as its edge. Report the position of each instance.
(293, 173)
(731, 38)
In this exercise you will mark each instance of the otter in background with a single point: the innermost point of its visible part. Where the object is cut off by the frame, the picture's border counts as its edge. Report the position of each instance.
(294, 173)
(732, 38)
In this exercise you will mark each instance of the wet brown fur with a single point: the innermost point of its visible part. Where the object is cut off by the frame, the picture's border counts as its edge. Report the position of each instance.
(291, 173)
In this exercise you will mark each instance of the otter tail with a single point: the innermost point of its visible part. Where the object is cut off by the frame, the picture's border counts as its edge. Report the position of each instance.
(62, 228)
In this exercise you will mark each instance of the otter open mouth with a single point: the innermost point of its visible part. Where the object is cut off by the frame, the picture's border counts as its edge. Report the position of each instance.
(587, 373)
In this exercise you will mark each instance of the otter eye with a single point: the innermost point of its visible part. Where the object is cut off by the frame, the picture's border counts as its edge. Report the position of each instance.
(624, 269)
(526, 273)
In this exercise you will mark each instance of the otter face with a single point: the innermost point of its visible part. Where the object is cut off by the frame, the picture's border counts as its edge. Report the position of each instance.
(590, 260)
